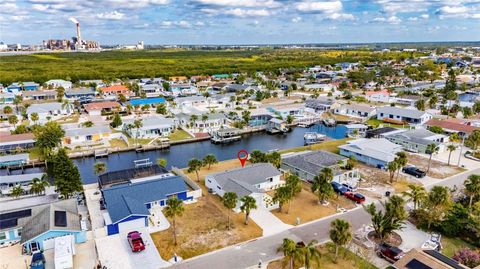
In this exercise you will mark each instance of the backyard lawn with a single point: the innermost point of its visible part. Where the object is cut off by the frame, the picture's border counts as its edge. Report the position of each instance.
(451, 245)
(305, 207)
(375, 123)
(346, 259)
(117, 143)
(179, 135)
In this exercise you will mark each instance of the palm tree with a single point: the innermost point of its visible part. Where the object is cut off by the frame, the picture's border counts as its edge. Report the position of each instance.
(289, 119)
(322, 186)
(17, 100)
(99, 168)
(472, 188)
(385, 223)
(204, 120)
(248, 203)
(340, 234)
(291, 251)
(416, 194)
(282, 195)
(246, 116)
(34, 117)
(17, 191)
(209, 160)
(401, 161)
(294, 183)
(39, 185)
(137, 124)
(230, 200)
(431, 149)
(193, 119)
(174, 209)
(162, 162)
(311, 253)
(194, 165)
(450, 148)
(392, 168)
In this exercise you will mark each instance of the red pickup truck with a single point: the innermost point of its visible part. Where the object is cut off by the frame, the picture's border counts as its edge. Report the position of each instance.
(356, 197)
(135, 241)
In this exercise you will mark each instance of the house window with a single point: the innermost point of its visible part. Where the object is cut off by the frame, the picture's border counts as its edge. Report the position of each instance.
(209, 181)
(3, 236)
(218, 187)
(19, 232)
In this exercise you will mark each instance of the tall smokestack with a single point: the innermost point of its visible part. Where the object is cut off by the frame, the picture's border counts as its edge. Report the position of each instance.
(79, 36)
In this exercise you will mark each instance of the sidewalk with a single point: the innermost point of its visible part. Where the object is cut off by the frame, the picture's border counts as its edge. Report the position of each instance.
(268, 222)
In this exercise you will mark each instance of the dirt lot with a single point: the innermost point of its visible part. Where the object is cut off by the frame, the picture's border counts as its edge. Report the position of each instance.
(305, 206)
(438, 169)
(203, 227)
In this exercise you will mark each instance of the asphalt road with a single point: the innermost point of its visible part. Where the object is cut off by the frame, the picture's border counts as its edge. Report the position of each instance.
(249, 254)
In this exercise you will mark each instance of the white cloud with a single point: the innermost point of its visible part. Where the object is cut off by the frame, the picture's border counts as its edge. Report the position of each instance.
(390, 20)
(425, 16)
(239, 12)
(296, 19)
(240, 3)
(319, 7)
(175, 24)
(447, 10)
(341, 16)
(114, 15)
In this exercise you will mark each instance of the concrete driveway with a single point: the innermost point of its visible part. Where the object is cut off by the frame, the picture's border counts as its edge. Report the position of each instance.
(114, 252)
(268, 222)
(412, 237)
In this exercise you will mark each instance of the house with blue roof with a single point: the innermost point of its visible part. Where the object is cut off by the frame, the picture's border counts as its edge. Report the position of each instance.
(22, 86)
(129, 202)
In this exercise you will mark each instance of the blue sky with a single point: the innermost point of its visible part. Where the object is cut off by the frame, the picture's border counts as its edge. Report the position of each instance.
(240, 21)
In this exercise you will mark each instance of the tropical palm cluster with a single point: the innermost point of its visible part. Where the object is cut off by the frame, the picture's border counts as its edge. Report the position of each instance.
(194, 165)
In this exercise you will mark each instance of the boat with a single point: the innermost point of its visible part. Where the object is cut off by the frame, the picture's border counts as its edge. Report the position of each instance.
(304, 125)
(225, 135)
(356, 130)
(277, 126)
(329, 122)
(313, 138)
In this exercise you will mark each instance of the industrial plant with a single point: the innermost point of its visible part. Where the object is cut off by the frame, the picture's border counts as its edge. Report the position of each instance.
(76, 43)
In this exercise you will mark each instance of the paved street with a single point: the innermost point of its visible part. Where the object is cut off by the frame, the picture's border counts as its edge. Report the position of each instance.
(265, 249)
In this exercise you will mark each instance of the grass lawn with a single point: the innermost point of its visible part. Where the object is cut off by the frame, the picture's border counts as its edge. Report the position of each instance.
(375, 123)
(117, 143)
(35, 154)
(69, 119)
(305, 206)
(451, 245)
(346, 259)
(203, 227)
(179, 135)
(140, 141)
(331, 146)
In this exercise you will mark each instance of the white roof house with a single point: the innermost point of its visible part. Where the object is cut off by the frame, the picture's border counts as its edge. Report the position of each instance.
(59, 83)
(151, 127)
(403, 115)
(376, 151)
(49, 111)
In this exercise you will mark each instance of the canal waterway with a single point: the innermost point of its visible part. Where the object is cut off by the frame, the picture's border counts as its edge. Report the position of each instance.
(179, 155)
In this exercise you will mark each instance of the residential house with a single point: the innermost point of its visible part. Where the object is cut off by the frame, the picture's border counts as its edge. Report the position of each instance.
(8, 182)
(83, 136)
(399, 115)
(130, 195)
(416, 140)
(427, 259)
(96, 83)
(252, 180)
(307, 165)
(451, 126)
(22, 86)
(40, 95)
(183, 89)
(37, 225)
(11, 143)
(80, 93)
(6, 98)
(49, 111)
(378, 152)
(186, 104)
(152, 127)
(320, 104)
(378, 96)
(14, 160)
(212, 122)
(97, 108)
(152, 90)
(319, 87)
(112, 92)
(355, 110)
(378, 132)
(148, 101)
(236, 88)
(283, 111)
(407, 100)
(56, 83)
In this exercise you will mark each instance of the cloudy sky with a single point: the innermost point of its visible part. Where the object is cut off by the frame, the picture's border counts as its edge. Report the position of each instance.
(240, 21)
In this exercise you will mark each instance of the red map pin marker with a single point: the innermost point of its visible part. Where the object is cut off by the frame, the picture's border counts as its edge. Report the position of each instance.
(244, 158)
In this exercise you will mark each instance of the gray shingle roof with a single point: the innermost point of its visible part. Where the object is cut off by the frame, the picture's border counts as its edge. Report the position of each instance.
(44, 220)
(313, 162)
(127, 199)
(88, 130)
(404, 112)
(242, 180)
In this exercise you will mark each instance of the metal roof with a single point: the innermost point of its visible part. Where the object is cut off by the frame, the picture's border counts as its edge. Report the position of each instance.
(100, 129)
(403, 112)
(313, 162)
(377, 148)
(130, 199)
(19, 178)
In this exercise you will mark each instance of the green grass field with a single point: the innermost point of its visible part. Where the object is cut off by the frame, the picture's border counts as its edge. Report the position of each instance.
(155, 63)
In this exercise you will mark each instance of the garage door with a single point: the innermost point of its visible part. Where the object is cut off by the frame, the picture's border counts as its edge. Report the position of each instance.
(131, 225)
(48, 243)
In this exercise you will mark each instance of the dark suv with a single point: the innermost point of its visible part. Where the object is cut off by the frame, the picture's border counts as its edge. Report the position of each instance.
(389, 253)
(339, 188)
(412, 170)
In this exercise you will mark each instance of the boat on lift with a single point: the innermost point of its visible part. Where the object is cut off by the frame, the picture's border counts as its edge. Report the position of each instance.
(313, 138)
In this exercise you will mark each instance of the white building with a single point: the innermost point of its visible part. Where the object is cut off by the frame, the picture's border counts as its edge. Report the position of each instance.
(399, 115)
(49, 111)
(56, 83)
(152, 127)
(378, 96)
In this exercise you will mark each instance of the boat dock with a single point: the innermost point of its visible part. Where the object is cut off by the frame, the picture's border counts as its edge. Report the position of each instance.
(226, 135)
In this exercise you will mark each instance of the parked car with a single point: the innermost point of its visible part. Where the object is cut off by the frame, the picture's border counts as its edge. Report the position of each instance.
(412, 170)
(38, 261)
(339, 188)
(389, 253)
(349, 187)
(355, 196)
(136, 242)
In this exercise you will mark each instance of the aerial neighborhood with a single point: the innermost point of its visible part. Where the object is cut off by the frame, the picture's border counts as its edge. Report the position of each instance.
(379, 156)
